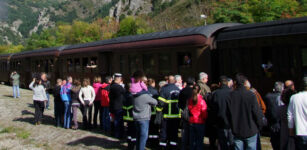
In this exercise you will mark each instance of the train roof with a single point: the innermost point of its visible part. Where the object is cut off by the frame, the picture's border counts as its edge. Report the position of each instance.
(205, 31)
(40, 52)
(266, 29)
(5, 56)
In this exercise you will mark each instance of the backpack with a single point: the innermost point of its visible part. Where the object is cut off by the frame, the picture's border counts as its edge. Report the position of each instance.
(105, 96)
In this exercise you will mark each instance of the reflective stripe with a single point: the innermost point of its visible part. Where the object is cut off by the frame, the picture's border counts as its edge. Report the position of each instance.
(171, 116)
(128, 118)
(173, 143)
(150, 136)
(129, 137)
(159, 109)
(133, 139)
(167, 101)
(162, 144)
(155, 136)
(128, 107)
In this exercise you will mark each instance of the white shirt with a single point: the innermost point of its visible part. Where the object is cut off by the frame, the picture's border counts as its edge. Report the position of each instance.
(297, 113)
(87, 93)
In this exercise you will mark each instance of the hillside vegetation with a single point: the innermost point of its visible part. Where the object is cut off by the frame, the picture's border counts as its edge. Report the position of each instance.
(34, 24)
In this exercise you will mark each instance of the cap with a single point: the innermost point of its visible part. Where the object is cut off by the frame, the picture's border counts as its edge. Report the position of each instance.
(117, 75)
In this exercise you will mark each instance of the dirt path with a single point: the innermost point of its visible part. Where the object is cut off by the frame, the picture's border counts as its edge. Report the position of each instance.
(17, 130)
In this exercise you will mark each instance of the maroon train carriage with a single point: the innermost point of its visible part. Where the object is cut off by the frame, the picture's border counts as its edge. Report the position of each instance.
(265, 52)
(4, 68)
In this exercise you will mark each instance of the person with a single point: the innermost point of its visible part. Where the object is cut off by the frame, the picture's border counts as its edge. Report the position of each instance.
(117, 97)
(138, 86)
(97, 102)
(66, 98)
(153, 137)
(58, 104)
(75, 102)
(141, 116)
(286, 141)
(202, 82)
(86, 97)
(245, 126)
(198, 114)
(15, 77)
(105, 112)
(128, 118)
(39, 98)
(168, 105)
(219, 113)
(178, 80)
(230, 83)
(46, 84)
(297, 117)
(161, 84)
(184, 95)
(274, 103)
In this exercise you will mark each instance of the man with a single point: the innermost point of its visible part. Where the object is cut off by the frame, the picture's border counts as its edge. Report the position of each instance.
(184, 95)
(117, 97)
(219, 110)
(202, 82)
(47, 86)
(297, 117)
(178, 81)
(168, 104)
(230, 83)
(15, 77)
(273, 102)
(245, 116)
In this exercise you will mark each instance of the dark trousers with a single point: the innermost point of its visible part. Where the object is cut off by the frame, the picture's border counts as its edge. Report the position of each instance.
(131, 134)
(105, 118)
(153, 138)
(224, 136)
(197, 132)
(275, 140)
(90, 114)
(169, 132)
(58, 112)
(97, 106)
(86, 109)
(301, 142)
(185, 135)
(39, 109)
(118, 123)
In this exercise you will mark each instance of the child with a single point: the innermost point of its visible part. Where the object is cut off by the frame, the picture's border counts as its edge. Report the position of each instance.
(138, 87)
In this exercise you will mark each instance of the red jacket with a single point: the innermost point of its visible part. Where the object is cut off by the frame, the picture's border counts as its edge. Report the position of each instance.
(198, 112)
(97, 89)
(104, 92)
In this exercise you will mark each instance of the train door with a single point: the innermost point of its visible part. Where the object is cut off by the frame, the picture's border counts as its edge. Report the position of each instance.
(105, 63)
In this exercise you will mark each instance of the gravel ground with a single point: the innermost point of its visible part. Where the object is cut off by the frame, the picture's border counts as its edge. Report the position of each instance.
(17, 130)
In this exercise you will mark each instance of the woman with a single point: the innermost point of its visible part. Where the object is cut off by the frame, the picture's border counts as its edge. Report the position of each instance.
(97, 88)
(66, 98)
(86, 96)
(198, 114)
(58, 104)
(39, 98)
(75, 101)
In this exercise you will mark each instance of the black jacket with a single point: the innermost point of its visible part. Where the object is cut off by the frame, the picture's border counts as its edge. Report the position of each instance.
(184, 95)
(272, 101)
(153, 92)
(169, 92)
(56, 94)
(75, 94)
(219, 107)
(117, 97)
(245, 115)
(47, 86)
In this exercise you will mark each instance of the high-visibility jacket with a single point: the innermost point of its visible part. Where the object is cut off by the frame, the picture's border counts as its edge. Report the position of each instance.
(128, 107)
(168, 101)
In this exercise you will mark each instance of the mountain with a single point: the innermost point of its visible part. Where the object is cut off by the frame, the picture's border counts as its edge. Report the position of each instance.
(20, 18)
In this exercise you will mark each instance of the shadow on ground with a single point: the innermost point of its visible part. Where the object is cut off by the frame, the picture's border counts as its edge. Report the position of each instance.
(47, 120)
(31, 105)
(10, 96)
(97, 141)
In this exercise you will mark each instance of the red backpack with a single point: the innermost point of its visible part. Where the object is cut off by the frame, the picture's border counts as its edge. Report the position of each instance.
(105, 89)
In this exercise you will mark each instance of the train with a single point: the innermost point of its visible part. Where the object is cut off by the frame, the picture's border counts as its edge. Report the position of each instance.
(264, 52)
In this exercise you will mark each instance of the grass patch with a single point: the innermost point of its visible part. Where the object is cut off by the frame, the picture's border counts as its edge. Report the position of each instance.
(20, 133)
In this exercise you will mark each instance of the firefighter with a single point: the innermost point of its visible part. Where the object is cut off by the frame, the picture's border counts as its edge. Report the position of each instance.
(168, 104)
(128, 118)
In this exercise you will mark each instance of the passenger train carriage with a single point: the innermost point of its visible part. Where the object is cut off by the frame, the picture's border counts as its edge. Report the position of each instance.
(264, 52)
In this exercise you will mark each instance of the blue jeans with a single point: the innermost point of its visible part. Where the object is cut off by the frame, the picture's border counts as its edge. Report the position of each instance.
(118, 123)
(197, 136)
(301, 142)
(246, 144)
(48, 97)
(105, 117)
(141, 134)
(16, 89)
(67, 114)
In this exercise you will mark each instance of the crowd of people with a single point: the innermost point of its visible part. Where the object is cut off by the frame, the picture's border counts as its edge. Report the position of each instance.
(231, 113)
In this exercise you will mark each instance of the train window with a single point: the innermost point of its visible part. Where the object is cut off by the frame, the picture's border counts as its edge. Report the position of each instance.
(69, 65)
(84, 63)
(46, 66)
(50, 62)
(267, 64)
(92, 64)
(77, 65)
(149, 63)
(122, 62)
(184, 59)
(134, 63)
(165, 65)
(304, 61)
